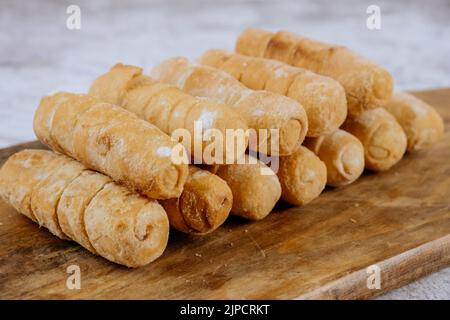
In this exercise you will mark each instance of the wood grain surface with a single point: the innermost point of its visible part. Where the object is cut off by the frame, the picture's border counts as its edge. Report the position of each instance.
(398, 220)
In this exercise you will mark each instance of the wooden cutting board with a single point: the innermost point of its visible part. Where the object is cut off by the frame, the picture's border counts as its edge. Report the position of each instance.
(398, 220)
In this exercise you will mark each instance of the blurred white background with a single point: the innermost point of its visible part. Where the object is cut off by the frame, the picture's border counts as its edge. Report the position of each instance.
(39, 54)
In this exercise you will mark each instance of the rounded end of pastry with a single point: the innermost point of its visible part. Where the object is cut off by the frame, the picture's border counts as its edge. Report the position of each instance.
(431, 130)
(324, 101)
(169, 183)
(292, 135)
(255, 187)
(151, 231)
(422, 123)
(205, 212)
(265, 197)
(350, 165)
(343, 155)
(43, 117)
(385, 147)
(303, 177)
(20, 173)
(235, 138)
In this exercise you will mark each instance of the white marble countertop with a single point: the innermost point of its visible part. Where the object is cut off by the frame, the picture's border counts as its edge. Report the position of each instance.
(39, 54)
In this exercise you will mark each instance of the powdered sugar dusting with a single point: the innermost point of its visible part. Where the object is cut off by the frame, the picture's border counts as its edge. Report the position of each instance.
(207, 118)
(280, 73)
(164, 151)
(199, 174)
(418, 107)
(258, 112)
(310, 174)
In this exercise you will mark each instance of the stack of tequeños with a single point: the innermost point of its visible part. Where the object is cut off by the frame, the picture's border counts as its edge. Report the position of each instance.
(128, 161)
